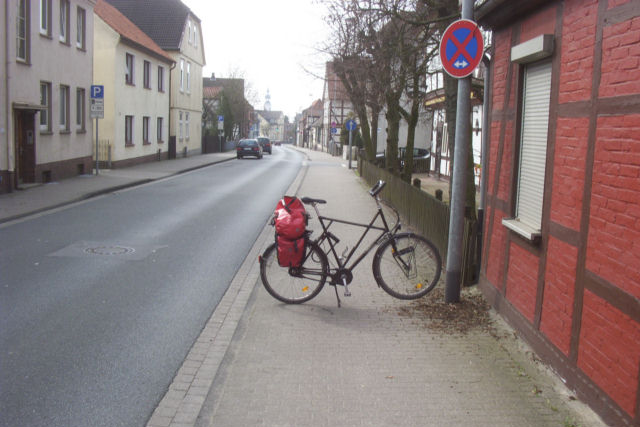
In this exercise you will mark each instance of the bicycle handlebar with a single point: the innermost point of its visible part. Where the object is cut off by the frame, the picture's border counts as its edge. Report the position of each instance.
(377, 188)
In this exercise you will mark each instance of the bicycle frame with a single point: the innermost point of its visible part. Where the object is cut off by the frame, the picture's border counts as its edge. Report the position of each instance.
(343, 263)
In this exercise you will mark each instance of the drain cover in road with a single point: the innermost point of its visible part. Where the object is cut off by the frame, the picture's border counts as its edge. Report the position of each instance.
(107, 250)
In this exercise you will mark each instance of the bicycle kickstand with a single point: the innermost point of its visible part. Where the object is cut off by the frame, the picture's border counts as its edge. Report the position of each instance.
(337, 296)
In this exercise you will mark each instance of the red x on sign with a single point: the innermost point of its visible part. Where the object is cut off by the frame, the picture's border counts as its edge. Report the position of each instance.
(461, 48)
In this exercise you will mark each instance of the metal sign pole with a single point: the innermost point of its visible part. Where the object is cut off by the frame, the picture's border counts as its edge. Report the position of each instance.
(458, 191)
(350, 142)
(97, 169)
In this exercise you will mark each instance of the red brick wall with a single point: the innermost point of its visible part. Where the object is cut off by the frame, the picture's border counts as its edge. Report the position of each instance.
(559, 284)
(572, 135)
(621, 59)
(593, 175)
(522, 280)
(613, 251)
(578, 41)
(609, 349)
(496, 255)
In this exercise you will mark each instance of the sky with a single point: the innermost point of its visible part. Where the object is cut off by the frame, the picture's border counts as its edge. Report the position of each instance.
(273, 44)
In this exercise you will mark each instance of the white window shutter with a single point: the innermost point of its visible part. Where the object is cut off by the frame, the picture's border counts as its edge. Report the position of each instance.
(533, 144)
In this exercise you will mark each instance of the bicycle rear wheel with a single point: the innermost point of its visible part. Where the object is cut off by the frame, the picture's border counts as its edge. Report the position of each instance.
(294, 285)
(407, 266)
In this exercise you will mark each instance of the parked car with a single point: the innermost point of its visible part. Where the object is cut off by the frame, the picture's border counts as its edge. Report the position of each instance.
(265, 143)
(249, 147)
(418, 153)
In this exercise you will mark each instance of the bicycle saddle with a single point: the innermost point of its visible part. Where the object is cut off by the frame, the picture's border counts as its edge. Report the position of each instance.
(309, 200)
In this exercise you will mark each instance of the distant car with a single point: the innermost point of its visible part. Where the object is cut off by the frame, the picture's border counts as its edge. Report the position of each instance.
(265, 143)
(418, 153)
(249, 147)
(277, 143)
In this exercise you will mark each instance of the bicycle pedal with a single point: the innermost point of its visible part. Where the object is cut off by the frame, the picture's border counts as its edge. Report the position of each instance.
(347, 293)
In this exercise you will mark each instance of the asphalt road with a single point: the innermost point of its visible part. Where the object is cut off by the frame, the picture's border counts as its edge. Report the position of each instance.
(100, 302)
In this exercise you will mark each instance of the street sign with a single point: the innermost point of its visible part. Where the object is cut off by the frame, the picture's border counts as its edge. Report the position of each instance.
(351, 124)
(97, 92)
(221, 118)
(461, 48)
(96, 109)
(334, 131)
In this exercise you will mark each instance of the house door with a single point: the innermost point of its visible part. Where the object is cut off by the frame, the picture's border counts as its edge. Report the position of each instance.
(26, 146)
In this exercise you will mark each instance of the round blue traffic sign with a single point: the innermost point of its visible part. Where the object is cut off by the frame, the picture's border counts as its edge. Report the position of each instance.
(461, 48)
(351, 124)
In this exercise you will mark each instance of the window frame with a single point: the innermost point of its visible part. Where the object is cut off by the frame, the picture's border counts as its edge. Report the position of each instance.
(159, 130)
(530, 164)
(128, 131)
(188, 77)
(23, 38)
(129, 76)
(81, 109)
(45, 17)
(45, 113)
(65, 7)
(160, 78)
(81, 28)
(145, 130)
(146, 72)
(187, 126)
(64, 94)
(180, 126)
(181, 75)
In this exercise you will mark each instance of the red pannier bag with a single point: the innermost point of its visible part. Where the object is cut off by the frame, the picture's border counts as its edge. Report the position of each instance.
(290, 252)
(290, 218)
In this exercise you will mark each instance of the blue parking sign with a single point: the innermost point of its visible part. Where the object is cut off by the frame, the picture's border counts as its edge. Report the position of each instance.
(97, 91)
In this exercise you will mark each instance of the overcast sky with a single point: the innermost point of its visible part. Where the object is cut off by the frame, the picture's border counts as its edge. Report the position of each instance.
(269, 42)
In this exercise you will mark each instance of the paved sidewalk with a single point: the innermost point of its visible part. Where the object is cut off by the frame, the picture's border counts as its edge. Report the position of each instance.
(59, 193)
(359, 365)
(259, 362)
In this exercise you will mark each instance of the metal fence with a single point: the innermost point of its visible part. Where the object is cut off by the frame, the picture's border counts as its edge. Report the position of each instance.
(104, 153)
(426, 214)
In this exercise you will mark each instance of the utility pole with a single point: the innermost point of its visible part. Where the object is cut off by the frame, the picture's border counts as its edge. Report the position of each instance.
(458, 191)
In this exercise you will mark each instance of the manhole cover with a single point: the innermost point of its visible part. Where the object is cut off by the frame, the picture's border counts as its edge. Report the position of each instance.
(109, 250)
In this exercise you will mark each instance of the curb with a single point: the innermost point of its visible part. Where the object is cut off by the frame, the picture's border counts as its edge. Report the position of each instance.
(191, 387)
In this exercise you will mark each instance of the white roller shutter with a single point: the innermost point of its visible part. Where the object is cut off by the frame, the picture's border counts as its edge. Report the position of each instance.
(533, 144)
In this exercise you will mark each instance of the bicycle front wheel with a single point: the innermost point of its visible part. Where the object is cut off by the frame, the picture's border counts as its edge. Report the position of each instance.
(297, 284)
(407, 266)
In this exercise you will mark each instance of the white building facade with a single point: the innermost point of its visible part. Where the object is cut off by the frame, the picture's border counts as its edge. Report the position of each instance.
(135, 74)
(45, 131)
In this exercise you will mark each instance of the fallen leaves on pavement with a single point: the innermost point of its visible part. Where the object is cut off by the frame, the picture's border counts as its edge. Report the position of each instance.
(472, 312)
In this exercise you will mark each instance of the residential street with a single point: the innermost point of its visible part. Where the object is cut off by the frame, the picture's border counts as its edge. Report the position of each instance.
(102, 300)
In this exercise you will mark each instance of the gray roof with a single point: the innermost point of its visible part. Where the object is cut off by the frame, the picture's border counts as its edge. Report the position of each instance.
(162, 20)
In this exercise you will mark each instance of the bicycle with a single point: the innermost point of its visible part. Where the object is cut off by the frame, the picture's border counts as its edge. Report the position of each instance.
(405, 265)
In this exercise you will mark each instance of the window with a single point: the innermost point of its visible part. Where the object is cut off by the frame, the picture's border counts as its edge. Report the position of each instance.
(182, 75)
(195, 35)
(23, 30)
(145, 130)
(190, 34)
(45, 100)
(80, 109)
(186, 125)
(533, 150)
(188, 77)
(128, 130)
(180, 126)
(45, 17)
(129, 69)
(160, 79)
(64, 21)
(81, 19)
(147, 75)
(159, 130)
(64, 108)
